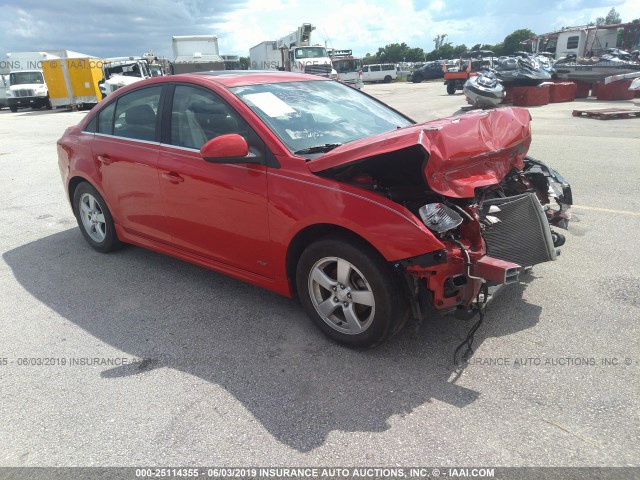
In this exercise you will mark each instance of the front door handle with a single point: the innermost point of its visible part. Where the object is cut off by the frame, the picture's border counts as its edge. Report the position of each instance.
(173, 177)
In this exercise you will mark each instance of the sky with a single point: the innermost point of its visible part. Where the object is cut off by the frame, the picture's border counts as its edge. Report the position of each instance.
(128, 27)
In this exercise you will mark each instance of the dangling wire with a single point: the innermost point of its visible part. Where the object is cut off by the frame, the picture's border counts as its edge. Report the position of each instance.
(468, 342)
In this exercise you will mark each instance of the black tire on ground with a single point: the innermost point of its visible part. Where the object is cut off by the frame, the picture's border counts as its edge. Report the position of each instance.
(368, 274)
(13, 109)
(110, 241)
(387, 79)
(451, 88)
(48, 104)
(417, 78)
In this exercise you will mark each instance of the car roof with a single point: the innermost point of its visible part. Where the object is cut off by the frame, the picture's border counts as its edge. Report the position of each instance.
(236, 78)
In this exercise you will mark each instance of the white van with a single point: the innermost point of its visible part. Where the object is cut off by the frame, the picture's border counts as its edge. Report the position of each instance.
(381, 72)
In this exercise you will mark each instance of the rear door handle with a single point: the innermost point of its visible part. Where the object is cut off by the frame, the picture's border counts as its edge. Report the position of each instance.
(104, 159)
(173, 177)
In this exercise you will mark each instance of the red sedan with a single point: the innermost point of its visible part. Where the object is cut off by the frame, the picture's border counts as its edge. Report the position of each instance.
(307, 187)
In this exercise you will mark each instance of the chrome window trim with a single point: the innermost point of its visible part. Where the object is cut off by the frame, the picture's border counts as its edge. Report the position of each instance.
(148, 142)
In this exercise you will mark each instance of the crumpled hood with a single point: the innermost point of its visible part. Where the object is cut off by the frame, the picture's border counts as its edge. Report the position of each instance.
(464, 152)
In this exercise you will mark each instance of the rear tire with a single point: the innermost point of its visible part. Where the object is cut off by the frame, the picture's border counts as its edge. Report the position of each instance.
(94, 218)
(387, 79)
(13, 109)
(451, 88)
(349, 291)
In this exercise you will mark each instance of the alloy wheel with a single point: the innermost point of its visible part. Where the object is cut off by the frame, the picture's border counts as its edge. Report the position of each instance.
(341, 295)
(92, 216)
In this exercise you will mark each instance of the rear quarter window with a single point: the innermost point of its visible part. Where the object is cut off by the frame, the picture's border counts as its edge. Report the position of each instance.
(105, 119)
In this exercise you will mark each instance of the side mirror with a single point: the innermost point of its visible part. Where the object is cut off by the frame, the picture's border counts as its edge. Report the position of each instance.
(230, 148)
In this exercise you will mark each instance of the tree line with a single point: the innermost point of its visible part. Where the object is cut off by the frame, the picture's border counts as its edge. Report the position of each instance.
(401, 52)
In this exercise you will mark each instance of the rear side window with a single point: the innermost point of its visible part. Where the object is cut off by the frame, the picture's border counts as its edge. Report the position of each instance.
(137, 114)
(375, 68)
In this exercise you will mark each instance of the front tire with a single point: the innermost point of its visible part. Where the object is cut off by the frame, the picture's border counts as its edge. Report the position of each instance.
(349, 291)
(94, 218)
(417, 78)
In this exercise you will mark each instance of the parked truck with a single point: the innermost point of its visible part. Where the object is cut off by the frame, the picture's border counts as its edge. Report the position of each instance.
(293, 53)
(4, 86)
(265, 56)
(196, 53)
(347, 67)
(121, 71)
(73, 79)
(27, 87)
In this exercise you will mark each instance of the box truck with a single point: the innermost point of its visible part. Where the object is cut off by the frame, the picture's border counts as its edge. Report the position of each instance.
(72, 79)
(27, 87)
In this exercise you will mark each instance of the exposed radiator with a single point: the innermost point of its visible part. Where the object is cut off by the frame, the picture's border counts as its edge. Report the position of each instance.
(522, 235)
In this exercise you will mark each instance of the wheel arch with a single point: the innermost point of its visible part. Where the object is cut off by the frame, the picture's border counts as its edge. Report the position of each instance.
(72, 185)
(310, 234)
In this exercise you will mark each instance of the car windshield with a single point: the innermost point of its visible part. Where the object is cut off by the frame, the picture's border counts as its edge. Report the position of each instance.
(311, 52)
(130, 70)
(346, 66)
(23, 78)
(315, 114)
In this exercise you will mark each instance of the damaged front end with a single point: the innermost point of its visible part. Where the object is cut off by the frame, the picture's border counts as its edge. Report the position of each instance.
(502, 231)
(469, 181)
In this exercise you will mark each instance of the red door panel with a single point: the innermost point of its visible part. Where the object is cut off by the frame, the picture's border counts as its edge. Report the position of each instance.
(217, 210)
(130, 182)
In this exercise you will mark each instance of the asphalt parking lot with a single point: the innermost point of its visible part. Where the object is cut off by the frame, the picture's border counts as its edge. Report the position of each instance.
(222, 373)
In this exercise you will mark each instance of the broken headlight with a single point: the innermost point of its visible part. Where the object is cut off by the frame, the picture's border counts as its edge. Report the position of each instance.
(439, 218)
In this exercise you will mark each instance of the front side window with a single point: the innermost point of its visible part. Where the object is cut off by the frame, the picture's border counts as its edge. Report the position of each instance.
(314, 113)
(198, 115)
(137, 114)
